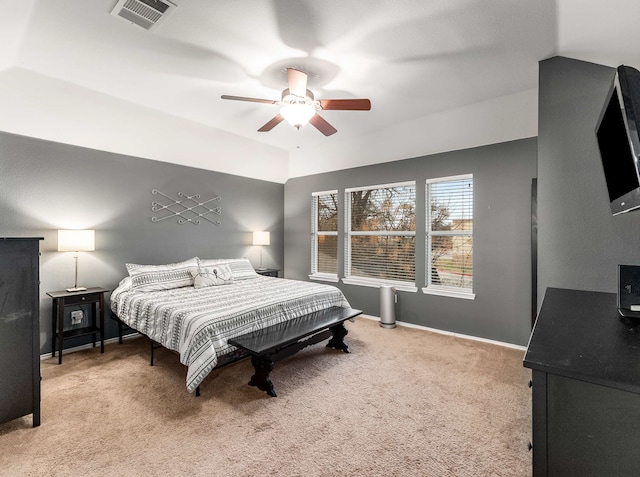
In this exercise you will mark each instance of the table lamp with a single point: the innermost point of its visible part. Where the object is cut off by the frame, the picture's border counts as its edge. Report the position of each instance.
(76, 241)
(261, 238)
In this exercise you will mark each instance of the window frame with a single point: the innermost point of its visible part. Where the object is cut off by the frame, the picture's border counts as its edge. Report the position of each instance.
(348, 234)
(315, 233)
(443, 290)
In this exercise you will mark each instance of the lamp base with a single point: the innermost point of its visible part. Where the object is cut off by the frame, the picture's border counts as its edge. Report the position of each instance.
(76, 289)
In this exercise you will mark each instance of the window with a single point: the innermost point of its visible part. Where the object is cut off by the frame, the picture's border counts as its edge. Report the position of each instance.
(381, 228)
(324, 235)
(449, 208)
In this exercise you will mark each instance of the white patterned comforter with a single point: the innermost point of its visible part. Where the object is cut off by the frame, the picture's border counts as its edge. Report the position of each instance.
(197, 322)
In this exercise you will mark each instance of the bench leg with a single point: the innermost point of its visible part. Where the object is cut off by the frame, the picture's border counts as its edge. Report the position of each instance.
(262, 366)
(337, 341)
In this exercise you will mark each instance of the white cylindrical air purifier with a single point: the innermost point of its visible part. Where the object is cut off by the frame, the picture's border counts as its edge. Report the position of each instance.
(387, 306)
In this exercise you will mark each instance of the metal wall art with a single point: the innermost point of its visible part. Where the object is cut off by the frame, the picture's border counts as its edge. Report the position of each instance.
(187, 208)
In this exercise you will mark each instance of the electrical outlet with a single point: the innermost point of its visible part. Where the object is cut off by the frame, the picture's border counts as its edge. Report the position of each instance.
(76, 317)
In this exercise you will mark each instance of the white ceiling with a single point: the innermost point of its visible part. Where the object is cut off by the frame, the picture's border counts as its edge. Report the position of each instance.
(440, 74)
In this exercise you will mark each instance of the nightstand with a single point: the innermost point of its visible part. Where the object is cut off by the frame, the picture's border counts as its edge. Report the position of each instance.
(86, 326)
(268, 272)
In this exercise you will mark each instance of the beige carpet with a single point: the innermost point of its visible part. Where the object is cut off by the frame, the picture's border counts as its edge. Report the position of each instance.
(405, 402)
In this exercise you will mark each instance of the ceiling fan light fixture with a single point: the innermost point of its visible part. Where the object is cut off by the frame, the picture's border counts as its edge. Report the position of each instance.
(297, 114)
(299, 105)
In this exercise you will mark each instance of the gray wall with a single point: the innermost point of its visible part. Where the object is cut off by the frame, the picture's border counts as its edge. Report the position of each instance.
(45, 186)
(580, 243)
(502, 238)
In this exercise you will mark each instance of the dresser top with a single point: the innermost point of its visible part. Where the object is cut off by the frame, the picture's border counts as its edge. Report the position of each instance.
(21, 238)
(581, 335)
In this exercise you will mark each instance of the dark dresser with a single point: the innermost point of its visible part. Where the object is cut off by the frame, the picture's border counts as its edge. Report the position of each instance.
(19, 328)
(585, 362)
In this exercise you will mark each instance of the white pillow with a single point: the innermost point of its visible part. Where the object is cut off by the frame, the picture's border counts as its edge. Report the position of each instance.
(125, 283)
(162, 277)
(241, 268)
(212, 276)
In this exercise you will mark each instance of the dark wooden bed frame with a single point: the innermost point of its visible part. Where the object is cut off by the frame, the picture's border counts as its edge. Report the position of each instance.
(276, 342)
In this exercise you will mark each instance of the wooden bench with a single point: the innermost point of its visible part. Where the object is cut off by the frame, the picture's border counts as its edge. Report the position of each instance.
(276, 342)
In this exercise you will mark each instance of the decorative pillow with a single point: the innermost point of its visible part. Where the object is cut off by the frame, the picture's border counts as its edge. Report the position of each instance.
(162, 277)
(212, 276)
(241, 268)
(125, 283)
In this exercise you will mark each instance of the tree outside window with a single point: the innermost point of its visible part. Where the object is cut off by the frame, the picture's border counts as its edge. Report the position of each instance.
(324, 242)
(381, 225)
(450, 234)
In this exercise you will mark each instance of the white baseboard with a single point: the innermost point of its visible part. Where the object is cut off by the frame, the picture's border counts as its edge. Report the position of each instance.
(90, 345)
(451, 333)
(368, 317)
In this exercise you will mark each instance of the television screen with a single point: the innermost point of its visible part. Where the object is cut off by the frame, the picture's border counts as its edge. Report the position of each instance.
(618, 141)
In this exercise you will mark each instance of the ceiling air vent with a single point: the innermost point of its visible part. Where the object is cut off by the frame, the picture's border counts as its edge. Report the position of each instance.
(145, 13)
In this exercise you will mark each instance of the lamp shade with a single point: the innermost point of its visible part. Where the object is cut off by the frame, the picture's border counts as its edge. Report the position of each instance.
(261, 238)
(76, 240)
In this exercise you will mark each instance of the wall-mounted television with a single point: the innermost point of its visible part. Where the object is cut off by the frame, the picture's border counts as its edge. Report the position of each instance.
(619, 142)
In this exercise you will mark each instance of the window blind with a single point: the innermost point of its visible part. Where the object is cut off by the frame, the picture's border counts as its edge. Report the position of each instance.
(324, 233)
(450, 232)
(381, 232)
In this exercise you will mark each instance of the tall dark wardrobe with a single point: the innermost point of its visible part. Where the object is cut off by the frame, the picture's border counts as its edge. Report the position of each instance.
(19, 328)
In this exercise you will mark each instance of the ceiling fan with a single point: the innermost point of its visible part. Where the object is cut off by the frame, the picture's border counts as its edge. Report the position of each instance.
(299, 105)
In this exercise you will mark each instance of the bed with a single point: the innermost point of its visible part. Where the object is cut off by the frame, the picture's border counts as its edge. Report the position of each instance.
(194, 307)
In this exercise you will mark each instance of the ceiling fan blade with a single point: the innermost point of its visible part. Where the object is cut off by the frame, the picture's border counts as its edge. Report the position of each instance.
(297, 82)
(253, 100)
(346, 104)
(271, 124)
(323, 126)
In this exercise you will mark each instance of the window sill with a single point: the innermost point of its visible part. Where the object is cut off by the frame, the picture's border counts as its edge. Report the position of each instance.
(450, 292)
(324, 277)
(400, 286)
